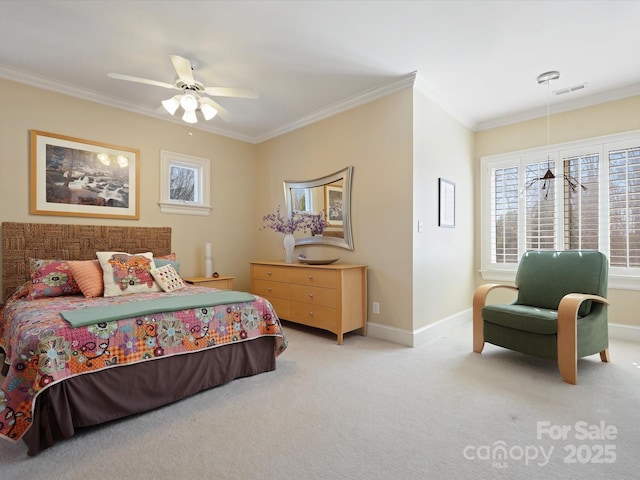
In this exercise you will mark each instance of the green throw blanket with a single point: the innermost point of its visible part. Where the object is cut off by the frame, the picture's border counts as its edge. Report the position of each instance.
(93, 315)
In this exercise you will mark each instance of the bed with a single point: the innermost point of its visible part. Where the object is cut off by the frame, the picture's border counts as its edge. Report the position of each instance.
(73, 361)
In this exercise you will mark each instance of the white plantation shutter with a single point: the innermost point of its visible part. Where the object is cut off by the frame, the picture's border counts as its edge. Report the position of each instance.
(581, 202)
(591, 203)
(540, 195)
(504, 215)
(624, 207)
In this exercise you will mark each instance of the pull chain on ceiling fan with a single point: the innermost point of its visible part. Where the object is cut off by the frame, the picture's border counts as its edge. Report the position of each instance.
(192, 98)
(548, 177)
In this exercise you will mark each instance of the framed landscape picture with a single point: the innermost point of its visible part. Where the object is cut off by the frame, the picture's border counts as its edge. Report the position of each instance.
(82, 178)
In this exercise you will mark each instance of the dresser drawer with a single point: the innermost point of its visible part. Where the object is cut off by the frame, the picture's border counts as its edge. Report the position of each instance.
(314, 315)
(270, 272)
(268, 288)
(327, 297)
(315, 277)
(280, 305)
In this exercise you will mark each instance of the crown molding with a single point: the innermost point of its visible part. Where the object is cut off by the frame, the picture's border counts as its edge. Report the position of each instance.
(85, 94)
(342, 106)
(443, 102)
(583, 102)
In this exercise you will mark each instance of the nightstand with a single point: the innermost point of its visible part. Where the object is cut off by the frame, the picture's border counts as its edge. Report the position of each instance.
(222, 282)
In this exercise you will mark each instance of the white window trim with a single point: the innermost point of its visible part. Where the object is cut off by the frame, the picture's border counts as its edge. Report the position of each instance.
(201, 205)
(619, 278)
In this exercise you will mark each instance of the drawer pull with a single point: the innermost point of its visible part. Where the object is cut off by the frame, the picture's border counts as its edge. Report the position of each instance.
(269, 273)
(269, 289)
(311, 314)
(311, 295)
(310, 277)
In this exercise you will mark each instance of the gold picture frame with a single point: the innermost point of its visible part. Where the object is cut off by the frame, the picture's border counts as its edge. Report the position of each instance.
(83, 178)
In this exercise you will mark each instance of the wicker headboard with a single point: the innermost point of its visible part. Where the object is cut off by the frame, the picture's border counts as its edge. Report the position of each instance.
(20, 241)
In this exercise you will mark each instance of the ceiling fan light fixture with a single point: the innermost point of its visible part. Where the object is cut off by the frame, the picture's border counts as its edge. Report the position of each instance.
(207, 111)
(171, 104)
(189, 102)
(190, 116)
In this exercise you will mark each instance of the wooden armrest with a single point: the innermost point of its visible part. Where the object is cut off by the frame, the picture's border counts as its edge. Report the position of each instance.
(568, 332)
(479, 300)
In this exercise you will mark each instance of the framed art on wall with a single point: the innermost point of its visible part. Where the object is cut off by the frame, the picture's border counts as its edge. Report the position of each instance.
(447, 214)
(82, 178)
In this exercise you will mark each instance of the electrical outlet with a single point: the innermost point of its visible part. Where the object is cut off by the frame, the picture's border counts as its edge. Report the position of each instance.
(376, 307)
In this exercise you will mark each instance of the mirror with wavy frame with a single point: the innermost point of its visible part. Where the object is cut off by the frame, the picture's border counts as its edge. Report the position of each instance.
(331, 196)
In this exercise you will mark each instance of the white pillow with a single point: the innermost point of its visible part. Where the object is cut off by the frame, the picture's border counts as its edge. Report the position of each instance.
(167, 278)
(126, 273)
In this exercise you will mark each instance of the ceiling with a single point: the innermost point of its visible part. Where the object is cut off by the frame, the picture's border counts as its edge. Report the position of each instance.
(479, 60)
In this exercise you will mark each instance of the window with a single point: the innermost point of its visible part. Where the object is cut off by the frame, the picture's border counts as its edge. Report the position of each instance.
(624, 207)
(184, 184)
(579, 195)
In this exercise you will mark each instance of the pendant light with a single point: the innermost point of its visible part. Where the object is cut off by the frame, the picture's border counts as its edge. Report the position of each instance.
(548, 177)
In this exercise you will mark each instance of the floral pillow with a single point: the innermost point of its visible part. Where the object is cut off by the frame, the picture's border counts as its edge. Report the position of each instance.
(125, 273)
(51, 278)
(167, 278)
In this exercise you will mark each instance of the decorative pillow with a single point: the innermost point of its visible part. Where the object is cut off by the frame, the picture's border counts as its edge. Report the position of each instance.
(124, 273)
(160, 262)
(171, 256)
(51, 278)
(88, 275)
(167, 278)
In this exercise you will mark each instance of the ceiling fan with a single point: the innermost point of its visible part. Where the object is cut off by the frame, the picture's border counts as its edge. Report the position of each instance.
(191, 98)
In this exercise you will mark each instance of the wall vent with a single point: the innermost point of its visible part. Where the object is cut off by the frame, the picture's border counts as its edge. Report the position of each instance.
(570, 89)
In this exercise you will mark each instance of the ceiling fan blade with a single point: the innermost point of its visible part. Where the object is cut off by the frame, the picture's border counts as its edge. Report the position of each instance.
(183, 69)
(129, 78)
(232, 92)
(223, 112)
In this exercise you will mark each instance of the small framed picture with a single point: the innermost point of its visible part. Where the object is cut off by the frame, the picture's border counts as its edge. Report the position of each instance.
(447, 195)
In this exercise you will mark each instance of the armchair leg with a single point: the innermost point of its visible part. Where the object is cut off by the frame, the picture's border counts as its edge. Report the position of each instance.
(478, 324)
(568, 370)
(604, 355)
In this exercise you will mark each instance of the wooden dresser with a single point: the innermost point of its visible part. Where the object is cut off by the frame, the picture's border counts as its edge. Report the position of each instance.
(330, 297)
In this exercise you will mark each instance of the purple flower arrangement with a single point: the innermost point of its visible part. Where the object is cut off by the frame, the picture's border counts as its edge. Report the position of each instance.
(315, 223)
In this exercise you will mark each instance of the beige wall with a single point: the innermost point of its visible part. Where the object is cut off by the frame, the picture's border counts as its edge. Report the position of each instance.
(613, 117)
(443, 275)
(233, 181)
(376, 139)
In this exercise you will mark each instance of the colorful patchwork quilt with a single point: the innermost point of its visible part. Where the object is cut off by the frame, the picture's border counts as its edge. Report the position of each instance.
(42, 348)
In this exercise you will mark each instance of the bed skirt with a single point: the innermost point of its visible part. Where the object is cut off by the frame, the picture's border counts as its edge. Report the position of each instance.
(118, 392)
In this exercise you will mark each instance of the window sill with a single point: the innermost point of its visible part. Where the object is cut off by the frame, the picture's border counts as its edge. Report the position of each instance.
(616, 282)
(184, 208)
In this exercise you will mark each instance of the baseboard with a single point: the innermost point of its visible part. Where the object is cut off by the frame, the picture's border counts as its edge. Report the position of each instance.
(390, 334)
(617, 331)
(629, 333)
(421, 336)
(437, 329)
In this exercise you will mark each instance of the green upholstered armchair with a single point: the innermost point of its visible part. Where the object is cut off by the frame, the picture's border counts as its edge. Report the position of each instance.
(560, 312)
